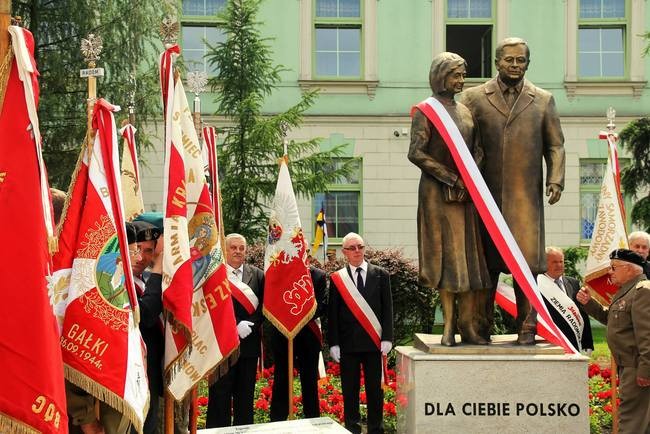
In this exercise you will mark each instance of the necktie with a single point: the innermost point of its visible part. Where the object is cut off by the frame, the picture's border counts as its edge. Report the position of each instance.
(559, 283)
(511, 96)
(236, 272)
(359, 279)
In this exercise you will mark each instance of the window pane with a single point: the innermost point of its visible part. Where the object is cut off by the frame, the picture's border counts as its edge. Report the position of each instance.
(326, 64)
(613, 65)
(349, 8)
(203, 7)
(588, 210)
(589, 40)
(193, 60)
(347, 212)
(612, 39)
(458, 9)
(591, 173)
(480, 9)
(590, 9)
(326, 39)
(193, 37)
(614, 9)
(349, 39)
(589, 64)
(349, 65)
(326, 8)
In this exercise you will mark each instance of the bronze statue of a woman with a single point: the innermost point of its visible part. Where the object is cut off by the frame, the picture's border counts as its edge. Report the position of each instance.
(451, 257)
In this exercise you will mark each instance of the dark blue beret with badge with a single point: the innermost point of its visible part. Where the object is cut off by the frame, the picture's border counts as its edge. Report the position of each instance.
(130, 232)
(627, 256)
(145, 231)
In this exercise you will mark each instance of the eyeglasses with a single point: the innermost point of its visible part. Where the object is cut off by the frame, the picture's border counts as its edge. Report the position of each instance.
(135, 252)
(354, 248)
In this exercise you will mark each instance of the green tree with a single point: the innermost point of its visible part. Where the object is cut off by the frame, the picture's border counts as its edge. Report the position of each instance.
(635, 138)
(128, 29)
(253, 143)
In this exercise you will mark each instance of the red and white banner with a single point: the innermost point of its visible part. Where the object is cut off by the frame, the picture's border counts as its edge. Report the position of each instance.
(358, 305)
(289, 301)
(93, 284)
(489, 212)
(133, 202)
(195, 241)
(609, 228)
(32, 394)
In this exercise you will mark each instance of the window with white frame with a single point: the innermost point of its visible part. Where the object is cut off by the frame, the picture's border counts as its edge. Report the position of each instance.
(341, 202)
(469, 32)
(200, 25)
(602, 30)
(338, 27)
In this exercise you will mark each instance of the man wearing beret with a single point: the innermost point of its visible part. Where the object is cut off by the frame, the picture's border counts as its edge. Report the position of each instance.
(150, 302)
(628, 336)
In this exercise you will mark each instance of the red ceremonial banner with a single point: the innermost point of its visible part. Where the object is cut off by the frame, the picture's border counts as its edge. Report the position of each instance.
(32, 395)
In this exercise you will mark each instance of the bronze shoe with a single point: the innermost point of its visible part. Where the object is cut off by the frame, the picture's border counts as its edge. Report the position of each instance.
(526, 338)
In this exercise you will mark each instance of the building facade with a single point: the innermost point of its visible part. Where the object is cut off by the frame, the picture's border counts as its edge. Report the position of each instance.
(371, 58)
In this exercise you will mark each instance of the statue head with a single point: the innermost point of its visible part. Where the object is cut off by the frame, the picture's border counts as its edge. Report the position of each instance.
(442, 66)
(511, 58)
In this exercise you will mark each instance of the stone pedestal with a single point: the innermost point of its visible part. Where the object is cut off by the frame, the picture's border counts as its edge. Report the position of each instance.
(320, 425)
(501, 387)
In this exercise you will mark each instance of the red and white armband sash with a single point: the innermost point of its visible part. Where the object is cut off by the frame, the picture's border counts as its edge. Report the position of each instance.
(244, 295)
(358, 305)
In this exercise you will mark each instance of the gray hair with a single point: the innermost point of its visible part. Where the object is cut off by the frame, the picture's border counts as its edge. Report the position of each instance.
(234, 236)
(639, 234)
(553, 249)
(351, 236)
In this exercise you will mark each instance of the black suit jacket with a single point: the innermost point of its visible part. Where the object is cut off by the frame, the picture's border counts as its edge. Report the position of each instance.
(253, 277)
(572, 287)
(344, 329)
(150, 303)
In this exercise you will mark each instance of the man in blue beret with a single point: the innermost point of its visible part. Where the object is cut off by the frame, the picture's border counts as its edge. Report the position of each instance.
(628, 336)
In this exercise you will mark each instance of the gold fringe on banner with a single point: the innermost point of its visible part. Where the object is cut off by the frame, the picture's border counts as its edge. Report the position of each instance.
(223, 367)
(5, 70)
(106, 395)
(10, 425)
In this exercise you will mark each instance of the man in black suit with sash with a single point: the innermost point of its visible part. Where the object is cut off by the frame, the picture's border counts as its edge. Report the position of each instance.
(238, 385)
(570, 286)
(360, 331)
(306, 349)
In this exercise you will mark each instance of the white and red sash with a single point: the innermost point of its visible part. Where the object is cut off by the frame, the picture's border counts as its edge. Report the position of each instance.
(358, 305)
(244, 295)
(489, 212)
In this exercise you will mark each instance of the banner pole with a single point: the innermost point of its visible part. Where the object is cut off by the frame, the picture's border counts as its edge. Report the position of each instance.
(169, 414)
(613, 379)
(5, 22)
(290, 377)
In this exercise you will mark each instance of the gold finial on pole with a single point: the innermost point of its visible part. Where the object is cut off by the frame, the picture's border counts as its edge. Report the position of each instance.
(91, 48)
(611, 116)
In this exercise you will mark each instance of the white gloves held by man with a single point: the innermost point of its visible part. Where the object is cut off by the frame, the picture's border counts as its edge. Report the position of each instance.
(335, 351)
(244, 328)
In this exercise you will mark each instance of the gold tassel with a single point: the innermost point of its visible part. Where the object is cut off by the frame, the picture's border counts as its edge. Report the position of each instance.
(5, 70)
(11, 425)
(53, 244)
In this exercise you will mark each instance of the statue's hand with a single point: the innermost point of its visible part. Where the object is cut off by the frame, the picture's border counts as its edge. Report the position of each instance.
(553, 191)
(460, 184)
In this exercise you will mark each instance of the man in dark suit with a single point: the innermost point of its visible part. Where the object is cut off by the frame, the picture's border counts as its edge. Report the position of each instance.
(639, 242)
(570, 286)
(238, 385)
(519, 126)
(306, 349)
(360, 331)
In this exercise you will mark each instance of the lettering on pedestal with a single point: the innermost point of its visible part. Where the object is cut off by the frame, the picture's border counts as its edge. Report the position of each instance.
(556, 409)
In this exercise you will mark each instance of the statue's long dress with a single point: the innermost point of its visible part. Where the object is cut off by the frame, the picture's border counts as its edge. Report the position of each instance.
(450, 250)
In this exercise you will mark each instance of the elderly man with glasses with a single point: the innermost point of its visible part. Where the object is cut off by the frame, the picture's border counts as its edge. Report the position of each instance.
(360, 331)
(628, 336)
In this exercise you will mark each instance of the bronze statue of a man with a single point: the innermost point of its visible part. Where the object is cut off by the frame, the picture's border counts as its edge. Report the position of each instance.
(451, 256)
(519, 126)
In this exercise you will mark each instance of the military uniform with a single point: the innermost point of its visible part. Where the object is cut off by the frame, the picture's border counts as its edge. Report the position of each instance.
(628, 337)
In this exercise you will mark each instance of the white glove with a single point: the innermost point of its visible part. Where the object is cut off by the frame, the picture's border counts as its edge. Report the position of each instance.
(386, 347)
(335, 353)
(244, 328)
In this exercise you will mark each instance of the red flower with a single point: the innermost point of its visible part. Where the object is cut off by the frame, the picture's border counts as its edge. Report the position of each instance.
(607, 408)
(266, 392)
(594, 370)
(362, 397)
(262, 404)
(389, 408)
(297, 399)
(202, 401)
(607, 394)
(606, 373)
(402, 400)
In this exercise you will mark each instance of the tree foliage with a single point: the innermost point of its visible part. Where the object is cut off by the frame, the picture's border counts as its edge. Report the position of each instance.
(129, 31)
(635, 138)
(254, 141)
